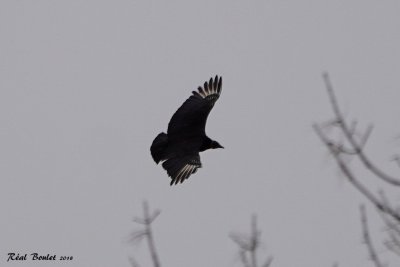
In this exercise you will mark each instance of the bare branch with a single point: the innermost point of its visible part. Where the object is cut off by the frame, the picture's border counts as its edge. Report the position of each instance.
(367, 134)
(242, 241)
(254, 240)
(137, 236)
(147, 233)
(248, 245)
(149, 219)
(348, 132)
(393, 229)
(367, 238)
(363, 141)
(393, 244)
(386, 203)
(344, 150)
(243, 258)
(346, 171)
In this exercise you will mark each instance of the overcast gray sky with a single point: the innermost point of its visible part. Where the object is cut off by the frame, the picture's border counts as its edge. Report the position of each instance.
(85, 86)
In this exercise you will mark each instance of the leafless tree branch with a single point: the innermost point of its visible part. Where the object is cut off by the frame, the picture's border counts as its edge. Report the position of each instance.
(367, 239)
(353, 145)
(147, 233)
(351, 177)
(348, 131)
(243, 258)
(150, 240)
(254, 240)
(393, 229)
(393, 244)
(137, 236)
(248, 245)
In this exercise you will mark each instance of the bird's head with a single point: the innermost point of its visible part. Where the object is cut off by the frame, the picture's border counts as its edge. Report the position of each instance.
(215, 144)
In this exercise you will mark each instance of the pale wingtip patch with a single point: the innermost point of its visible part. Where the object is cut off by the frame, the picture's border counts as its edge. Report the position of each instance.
(201, 92)
(211, 87)
(184, 173)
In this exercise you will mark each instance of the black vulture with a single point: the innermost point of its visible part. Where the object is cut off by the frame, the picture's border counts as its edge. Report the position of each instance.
(186, 135)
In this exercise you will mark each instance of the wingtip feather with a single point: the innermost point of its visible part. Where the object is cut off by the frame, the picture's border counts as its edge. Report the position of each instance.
(210, 87)
(219, 87)
(201, 91)
(206, 88)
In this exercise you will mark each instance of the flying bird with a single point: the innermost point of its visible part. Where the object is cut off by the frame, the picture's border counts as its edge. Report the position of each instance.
(186, 137)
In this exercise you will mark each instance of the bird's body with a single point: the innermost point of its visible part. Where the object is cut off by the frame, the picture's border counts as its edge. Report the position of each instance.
(186, 136)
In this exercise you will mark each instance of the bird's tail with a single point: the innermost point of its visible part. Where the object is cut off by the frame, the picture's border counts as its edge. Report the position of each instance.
(158, 147)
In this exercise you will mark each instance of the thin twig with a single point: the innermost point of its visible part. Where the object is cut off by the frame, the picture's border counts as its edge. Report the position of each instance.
(386, 202)
(147, 233)
(393, 228)
(254, 240)
(243, 258)
(248, 246)
(367, 238)
(393, 244)
(149, 219)
(358, 148)
(352, 179)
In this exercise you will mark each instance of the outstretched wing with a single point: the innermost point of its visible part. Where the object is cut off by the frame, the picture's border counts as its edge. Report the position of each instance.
(180, 168)
(191, 117)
